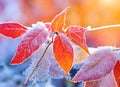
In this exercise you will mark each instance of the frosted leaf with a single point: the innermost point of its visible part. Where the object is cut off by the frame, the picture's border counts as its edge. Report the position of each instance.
(48, 67)
(30, 43)
(79, 54)
(107, 81)
(97, 65)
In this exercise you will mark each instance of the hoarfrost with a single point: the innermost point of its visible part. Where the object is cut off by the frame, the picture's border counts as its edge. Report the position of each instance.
(48, 67)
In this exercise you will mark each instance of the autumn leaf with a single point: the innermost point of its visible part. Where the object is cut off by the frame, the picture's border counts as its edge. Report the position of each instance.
(107, 81)
(77, 35)
(12, 30)
(30, 42)
(97, 65)
(117, 73)
(63, 52)
(58, 21)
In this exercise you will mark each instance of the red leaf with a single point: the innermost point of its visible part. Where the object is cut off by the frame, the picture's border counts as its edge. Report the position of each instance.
(97, 65)
(77, 35)
(59, 21)
(12, 30)
(117, 73)
(31, 42)
(63, 52)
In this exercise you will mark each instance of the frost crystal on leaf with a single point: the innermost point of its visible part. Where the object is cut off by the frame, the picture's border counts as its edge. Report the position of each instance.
(48, 67)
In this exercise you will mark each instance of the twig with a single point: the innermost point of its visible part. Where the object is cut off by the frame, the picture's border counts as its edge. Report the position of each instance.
(104, 27)
(28, 78)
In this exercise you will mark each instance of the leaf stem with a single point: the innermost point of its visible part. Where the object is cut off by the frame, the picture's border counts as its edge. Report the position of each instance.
(29, 76)
(104, 27)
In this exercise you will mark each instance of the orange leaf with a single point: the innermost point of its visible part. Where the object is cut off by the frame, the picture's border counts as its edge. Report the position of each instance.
(30, 43)
(63, 52)
(59, 21)
(117, 73)
(12, 30)
(77, 35)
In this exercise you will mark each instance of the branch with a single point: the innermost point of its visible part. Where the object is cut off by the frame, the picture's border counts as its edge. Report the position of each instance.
(103, 27)
(29, 76)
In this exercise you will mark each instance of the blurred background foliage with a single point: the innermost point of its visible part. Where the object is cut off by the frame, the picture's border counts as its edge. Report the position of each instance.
(84, 13)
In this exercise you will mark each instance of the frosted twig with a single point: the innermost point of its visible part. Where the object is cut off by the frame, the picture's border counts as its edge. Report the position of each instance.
(29, 76)
(103, 27)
